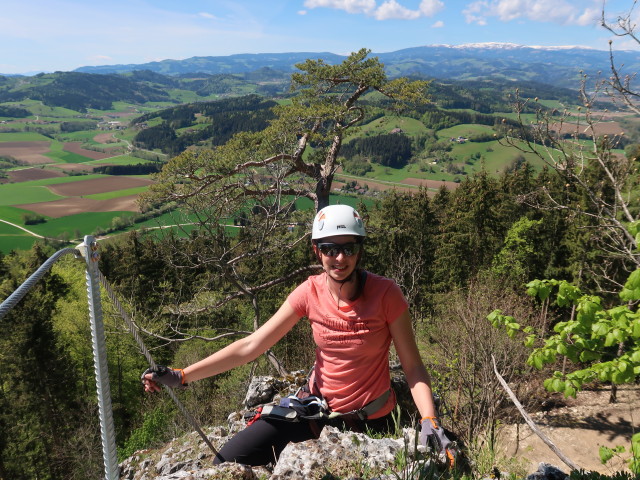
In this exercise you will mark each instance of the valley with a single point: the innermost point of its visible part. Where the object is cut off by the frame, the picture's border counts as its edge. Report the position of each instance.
(54, 148)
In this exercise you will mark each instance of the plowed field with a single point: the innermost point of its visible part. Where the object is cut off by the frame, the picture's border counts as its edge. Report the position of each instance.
(76, 147)
(431, 184)
(70, 206)
(97, 185)
(28, 174)
(28, 152)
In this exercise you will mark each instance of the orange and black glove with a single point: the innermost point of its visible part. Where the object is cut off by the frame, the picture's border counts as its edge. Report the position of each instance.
(171, 377)
(432, 435)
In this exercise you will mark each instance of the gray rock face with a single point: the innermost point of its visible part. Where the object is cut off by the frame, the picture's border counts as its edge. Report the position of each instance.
(342, 453)
(346, 455)
(336, 450)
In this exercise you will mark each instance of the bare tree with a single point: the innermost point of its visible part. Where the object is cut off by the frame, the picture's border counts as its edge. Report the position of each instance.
(599, 181)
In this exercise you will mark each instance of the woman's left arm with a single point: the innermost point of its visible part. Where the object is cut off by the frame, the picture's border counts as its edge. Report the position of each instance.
(417, 376)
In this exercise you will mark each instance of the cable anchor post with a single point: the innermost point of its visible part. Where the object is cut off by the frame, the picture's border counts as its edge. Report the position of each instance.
(91, 255)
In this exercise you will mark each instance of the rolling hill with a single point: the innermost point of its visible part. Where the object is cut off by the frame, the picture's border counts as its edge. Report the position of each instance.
(559, 66)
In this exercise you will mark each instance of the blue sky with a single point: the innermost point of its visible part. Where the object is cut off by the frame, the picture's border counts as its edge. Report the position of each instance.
(49, 35)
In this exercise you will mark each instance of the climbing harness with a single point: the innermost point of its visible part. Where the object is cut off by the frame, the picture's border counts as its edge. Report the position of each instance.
(311, 407)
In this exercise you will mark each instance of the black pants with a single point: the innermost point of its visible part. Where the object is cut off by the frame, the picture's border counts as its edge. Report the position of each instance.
(262, 442)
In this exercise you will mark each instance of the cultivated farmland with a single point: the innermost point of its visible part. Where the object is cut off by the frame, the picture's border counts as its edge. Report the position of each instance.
(47, 160)
(31, 153)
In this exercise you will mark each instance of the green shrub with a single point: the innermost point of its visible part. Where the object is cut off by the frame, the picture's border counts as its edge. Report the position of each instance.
(152, 431)
(583, 475)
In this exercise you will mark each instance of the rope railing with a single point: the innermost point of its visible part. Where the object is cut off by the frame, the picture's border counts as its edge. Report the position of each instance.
(22, 290)
(95, 278)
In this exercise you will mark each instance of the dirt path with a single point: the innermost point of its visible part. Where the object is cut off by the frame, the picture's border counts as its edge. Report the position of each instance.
(22, 228)
(578, 430)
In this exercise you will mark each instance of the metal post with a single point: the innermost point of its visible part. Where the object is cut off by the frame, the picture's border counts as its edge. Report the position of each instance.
(89, 251)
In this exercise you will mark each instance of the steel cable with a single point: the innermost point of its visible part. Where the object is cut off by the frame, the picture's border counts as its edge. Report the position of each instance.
(11, 301)
(136, 335)
(22, 290)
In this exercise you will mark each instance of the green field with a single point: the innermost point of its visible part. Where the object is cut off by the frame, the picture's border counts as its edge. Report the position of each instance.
(6, 229)
(384, 125)
(121, 160)
(54, 181)
(38, 108)
(57, 152)
(472, 156)
(117, 193)
(18, 193)
(13, 214)
(23, 137)
(12, 238)
(464, 130)
(85, 136)
(76, 225)
(15, 242)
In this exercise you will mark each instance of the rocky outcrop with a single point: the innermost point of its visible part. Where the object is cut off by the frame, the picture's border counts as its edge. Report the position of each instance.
(336, 454)
(344, 455)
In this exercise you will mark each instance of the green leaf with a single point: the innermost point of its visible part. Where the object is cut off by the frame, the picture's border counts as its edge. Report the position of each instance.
(604, 375)
(600, 329)
(494, 316)
(569, 391)
(539, 288)
(567, 294)
(536, 361)
(623, 366)
(606, 454)
(558, 385)
(619, 335)
(631, 290)
(635, 329)
(622, 377)
(589, 356)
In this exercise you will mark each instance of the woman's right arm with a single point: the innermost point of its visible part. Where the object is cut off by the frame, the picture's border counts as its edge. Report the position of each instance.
(241, 351)
(246, 349)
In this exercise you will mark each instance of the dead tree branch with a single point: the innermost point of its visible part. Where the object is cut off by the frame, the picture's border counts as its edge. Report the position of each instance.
(530, 422)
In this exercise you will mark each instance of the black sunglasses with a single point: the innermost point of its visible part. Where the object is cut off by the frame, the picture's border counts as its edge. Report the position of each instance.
(334, 249)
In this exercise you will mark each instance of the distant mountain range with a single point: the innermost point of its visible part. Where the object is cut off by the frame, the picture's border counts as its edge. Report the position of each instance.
(560, 66)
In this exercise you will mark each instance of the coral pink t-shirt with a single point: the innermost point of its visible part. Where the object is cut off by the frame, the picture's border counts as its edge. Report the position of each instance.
(352, 353)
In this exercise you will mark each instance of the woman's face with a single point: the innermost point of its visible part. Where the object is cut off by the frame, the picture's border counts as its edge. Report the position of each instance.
(333, 253)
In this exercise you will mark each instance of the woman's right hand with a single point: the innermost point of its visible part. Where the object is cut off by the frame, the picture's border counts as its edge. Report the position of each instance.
(152, 378)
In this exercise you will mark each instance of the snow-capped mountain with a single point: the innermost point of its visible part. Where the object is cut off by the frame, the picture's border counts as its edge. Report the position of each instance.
(557, 65)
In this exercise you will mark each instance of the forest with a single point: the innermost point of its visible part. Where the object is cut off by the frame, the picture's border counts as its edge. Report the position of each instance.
(466, 259)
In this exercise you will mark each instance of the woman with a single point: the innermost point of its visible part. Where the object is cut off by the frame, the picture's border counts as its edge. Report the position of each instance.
(354, 315)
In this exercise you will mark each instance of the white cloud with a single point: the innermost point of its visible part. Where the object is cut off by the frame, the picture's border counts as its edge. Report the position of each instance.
(438, 24)
(429, 8)
(302, 12)
(389, 9)
(590, 16)
(393, 10)
(207, 15)
(349, 6)
(566, 12)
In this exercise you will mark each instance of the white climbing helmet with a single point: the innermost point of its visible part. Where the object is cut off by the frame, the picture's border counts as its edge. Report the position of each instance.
(337, 220)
